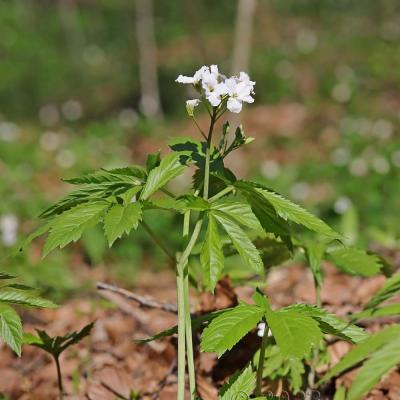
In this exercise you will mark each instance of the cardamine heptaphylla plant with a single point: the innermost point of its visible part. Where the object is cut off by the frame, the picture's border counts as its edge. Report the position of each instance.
(223, 216)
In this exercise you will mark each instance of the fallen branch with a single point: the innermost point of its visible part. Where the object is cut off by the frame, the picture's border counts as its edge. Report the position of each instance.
(141, 300)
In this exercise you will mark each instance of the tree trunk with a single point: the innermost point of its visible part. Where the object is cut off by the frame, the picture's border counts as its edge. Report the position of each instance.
(150, 103)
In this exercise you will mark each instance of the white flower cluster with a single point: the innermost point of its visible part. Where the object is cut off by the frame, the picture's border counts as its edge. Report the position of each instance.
(217, 89)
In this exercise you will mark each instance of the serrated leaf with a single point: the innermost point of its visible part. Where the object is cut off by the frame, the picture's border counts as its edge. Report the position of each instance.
(376, 312)
(264, 211)
(228, 328)
(240, 386)
(240, 212)
(153, 161)
(211, 256)
(380, 363)
(296, 334)
(121, 219)
(3, 275)
(11, 328)
(390, 289)
(69, 226)
(293, 212)
(242, 243)
(315, 252)
(133, 174)
(363, 350)
(169, 168)
(355, 261)
(24, 298)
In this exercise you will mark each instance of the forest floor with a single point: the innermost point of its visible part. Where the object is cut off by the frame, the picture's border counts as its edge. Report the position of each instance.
(110, 364)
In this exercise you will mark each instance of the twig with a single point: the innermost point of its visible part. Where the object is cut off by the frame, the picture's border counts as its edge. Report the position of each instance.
(141, 300)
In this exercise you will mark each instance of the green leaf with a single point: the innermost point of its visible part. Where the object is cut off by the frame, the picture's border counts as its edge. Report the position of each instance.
(315, 253)
(24, 298)
(121, 219)
(380, 363)
(3, 275)
(169, 168)
(240, 212)
(376, 312)
(133, 174)
(390, 289)
(264, 211)
(153, 161)
(355, 261)
(293, 212)
(363, 350)
(240, 386)
(329, 323)
(228, 328)
(211, 256)
(340, 393)
(57, 344)
(70, 225)
(11, 328)
(242, 243)
(294, 332)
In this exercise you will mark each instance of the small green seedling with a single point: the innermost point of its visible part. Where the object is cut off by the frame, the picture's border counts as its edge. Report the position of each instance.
(56, 345)
(12, 294)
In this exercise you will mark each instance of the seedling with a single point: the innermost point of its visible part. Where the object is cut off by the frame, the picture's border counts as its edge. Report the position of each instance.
(56, 345)
(12, 294)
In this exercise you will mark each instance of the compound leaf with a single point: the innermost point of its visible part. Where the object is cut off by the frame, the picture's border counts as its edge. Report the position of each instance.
(10, 328)
(240, 386)
(211, 256)
(24, 298)
(228, 328)
(121, 219)
(390, 288)
(169, 168)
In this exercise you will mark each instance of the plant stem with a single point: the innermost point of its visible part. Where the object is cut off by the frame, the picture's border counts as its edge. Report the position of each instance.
(261, 360)
(188, 320)
(59, 378)
(181, 330)
(207, 164)
(221, 193)
(158, 241)
(182, 319)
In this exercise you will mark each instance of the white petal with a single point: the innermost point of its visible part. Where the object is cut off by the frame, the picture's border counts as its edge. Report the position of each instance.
(214, 69)
(234, 105)
(247, 99)
(185, 79)
(231, 85)
(221, 89)
(214, 99)
(190, 105)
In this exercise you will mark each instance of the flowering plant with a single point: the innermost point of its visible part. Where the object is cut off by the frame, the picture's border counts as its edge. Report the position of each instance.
(222, 216)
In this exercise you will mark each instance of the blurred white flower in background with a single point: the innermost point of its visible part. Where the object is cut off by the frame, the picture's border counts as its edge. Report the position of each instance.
(270, 169)
(9, 131)
(49, 115)
(341, 92)
(217, 88)
(72, 110)
(306, 41)
(300, 190)
(65, 158)
(382, 129)
(381, 165)
(396, 158)
(342, 204)
(8, 228)
(358, 167)
(51, 141)
(341, 156)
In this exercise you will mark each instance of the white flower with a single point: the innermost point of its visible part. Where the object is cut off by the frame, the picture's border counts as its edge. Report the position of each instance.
(261, 330)
(9, 227)
(190, 105)
(195, 79)
(213, 85)
(239, 90)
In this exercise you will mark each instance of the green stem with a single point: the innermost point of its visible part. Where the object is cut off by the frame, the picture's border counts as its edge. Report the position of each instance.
(221, 193)
(260, 368)
(59, 378)
(188, 320)
(207, 164)
(182, 320)
(181, 330)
